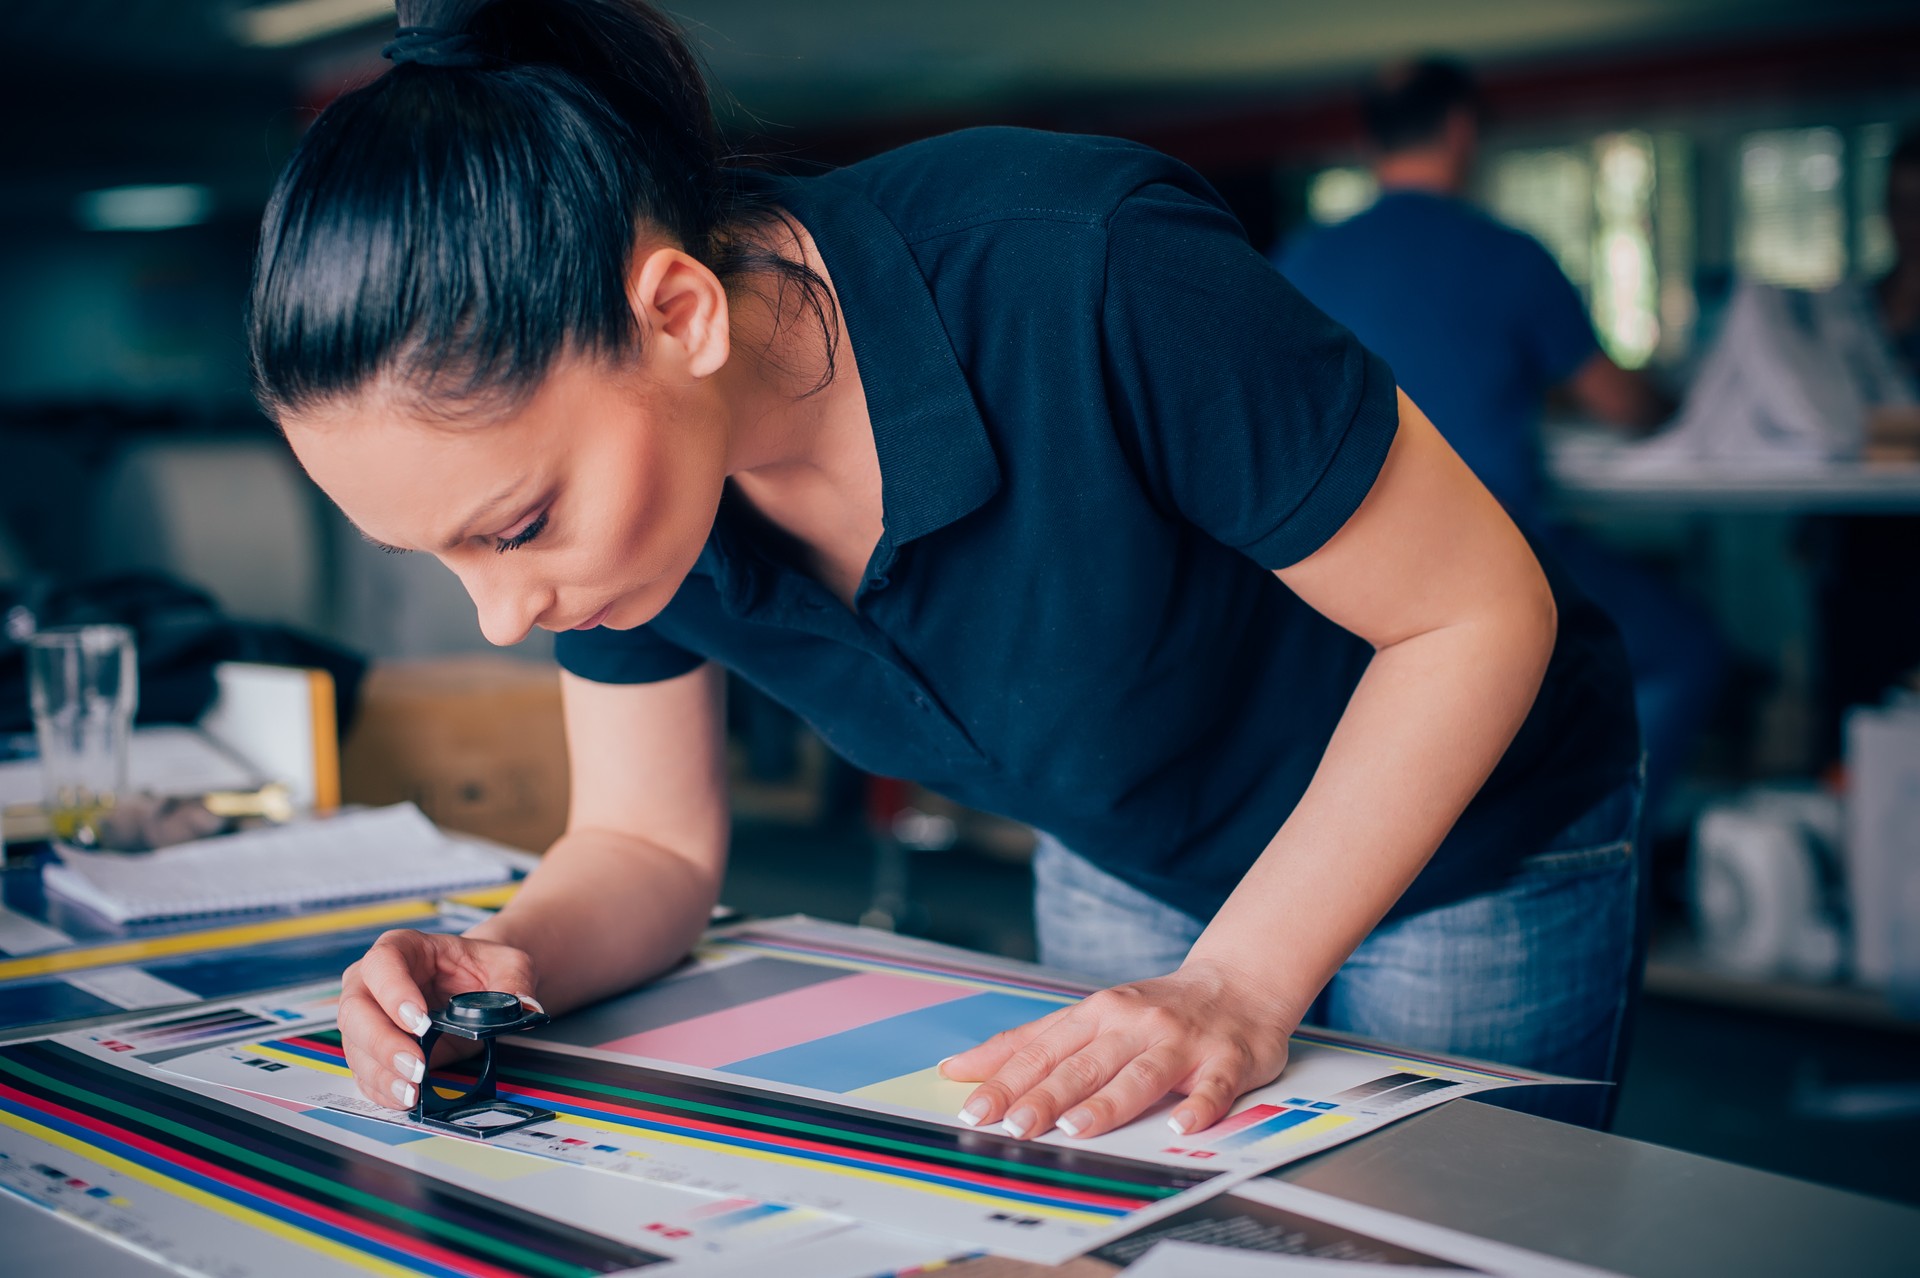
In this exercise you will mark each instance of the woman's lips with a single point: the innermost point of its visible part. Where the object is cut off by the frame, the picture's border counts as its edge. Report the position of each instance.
(595, 619)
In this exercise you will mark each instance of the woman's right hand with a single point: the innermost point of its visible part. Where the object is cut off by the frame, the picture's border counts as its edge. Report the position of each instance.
(385, 996)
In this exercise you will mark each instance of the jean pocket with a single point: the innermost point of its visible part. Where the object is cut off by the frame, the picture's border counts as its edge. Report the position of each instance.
(1606, 856)
(1601, 838)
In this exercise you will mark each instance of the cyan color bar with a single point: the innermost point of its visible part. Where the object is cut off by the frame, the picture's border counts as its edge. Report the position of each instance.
(898, 1045)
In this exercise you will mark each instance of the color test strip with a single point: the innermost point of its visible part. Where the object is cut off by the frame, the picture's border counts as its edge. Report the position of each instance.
(898, 1045)
(837, 1140)
(679, 998)
(1269, 1125)
(305, 1191)
(785, 1020)
(1241, 1121)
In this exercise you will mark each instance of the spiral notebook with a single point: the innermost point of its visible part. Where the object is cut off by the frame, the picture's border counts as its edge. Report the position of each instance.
(355, 856)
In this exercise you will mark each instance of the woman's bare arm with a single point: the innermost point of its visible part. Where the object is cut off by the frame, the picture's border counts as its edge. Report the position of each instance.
(627, 889)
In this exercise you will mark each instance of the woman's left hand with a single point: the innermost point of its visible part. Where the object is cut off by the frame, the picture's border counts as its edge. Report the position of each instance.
(1204, 1031)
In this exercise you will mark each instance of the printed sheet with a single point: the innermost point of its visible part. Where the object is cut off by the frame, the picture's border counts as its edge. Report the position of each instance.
(212, 1181)
(794, 1063)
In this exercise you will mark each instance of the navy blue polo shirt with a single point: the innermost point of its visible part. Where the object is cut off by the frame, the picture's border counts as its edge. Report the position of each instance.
(1102, 421)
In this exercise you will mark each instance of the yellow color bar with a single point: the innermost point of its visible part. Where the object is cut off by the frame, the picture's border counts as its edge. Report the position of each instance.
(218, 938)
(491, 898)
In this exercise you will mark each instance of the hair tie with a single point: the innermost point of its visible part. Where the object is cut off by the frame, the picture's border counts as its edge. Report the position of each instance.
(434, 47)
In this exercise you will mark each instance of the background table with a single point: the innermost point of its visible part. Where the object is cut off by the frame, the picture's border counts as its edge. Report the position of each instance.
(1617, 1204)
(1590, 468)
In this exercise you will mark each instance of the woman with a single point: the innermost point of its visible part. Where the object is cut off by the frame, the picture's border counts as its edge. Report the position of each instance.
(1005, 462)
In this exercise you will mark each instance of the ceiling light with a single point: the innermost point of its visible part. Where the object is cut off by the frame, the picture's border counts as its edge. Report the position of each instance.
(274, 26)
(143, 208)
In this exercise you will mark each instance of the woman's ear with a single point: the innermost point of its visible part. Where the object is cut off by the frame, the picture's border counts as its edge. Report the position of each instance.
(681, 308)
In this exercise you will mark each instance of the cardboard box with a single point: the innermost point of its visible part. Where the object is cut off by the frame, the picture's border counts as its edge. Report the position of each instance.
(476, 741)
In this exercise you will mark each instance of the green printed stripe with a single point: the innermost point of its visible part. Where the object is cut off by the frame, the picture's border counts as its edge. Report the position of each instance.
(519, 1255)
(835, 1135)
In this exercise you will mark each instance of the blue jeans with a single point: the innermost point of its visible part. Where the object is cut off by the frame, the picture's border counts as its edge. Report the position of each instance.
(1540, 972)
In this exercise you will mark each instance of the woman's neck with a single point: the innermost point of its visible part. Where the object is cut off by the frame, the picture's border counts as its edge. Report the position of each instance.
(803, 454)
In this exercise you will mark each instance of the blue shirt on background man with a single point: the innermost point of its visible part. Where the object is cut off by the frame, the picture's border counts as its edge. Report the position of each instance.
(1476, 320)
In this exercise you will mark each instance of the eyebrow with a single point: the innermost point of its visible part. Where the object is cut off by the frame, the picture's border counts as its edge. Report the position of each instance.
(497, 499)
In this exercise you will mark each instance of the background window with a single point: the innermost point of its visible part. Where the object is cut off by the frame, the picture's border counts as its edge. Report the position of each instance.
(1334, 195)
(1618, 215)
(1789, 218)
(1625, 298)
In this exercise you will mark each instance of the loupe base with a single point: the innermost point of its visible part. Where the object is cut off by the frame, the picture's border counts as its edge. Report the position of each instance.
(484, 1119)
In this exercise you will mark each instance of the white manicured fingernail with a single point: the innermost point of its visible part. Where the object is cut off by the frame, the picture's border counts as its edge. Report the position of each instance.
(404, 1093)
(414, 1019)
(410, 1066)
(1179, 1124)
(973, 1113)
(532, 1002)
(1020, 1122)
(1068, 1126)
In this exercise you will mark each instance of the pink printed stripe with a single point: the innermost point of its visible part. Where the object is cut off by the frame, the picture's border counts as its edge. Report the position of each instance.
(787, 1020)
(1245, 1118)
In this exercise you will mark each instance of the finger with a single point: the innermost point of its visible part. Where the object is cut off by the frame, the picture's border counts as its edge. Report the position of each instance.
(1068, 1083)
(1040, 1056)
(384, 1058)
(1136, 1085)
(506, 969)
(1208, 1101)
(984, 1061)
(392, 972)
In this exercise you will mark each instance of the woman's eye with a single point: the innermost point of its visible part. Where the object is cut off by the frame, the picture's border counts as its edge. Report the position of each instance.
(521, 538)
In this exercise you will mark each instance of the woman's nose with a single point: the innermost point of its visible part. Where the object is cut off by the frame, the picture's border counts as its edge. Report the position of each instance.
(506, 606)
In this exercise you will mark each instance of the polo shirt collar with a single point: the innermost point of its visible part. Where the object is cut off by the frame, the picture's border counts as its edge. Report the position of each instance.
(936, 462)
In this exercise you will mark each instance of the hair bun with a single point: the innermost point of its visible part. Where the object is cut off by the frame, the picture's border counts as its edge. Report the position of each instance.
(434, 47)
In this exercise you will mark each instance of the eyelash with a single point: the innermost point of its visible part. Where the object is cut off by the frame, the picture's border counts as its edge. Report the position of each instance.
(522, 537)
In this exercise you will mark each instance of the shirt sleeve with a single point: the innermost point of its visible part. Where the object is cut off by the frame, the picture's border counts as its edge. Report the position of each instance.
(622, 656)
(1555, 330)
(1260, 420)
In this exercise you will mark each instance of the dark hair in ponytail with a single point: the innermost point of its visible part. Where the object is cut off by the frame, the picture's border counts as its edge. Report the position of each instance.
(464, 220)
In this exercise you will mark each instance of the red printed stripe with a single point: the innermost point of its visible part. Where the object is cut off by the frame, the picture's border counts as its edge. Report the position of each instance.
(984, 1179)
(353, 1225)
(842, 1151)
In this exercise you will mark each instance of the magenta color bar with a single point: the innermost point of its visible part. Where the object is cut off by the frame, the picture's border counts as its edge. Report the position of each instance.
(786, 1020)
(1245, 1118)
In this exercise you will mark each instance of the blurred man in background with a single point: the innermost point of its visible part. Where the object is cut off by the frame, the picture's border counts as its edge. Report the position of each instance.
(1898, 291)
(1479, 323)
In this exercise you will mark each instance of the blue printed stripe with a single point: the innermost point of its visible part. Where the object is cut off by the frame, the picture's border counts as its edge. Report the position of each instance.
(233, 1193)
(743, 1142)
(903, 1044)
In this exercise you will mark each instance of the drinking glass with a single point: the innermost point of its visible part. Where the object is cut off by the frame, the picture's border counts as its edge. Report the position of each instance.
(84, 686)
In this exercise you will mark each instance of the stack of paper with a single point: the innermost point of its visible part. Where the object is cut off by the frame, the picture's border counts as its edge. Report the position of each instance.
(381, 852)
